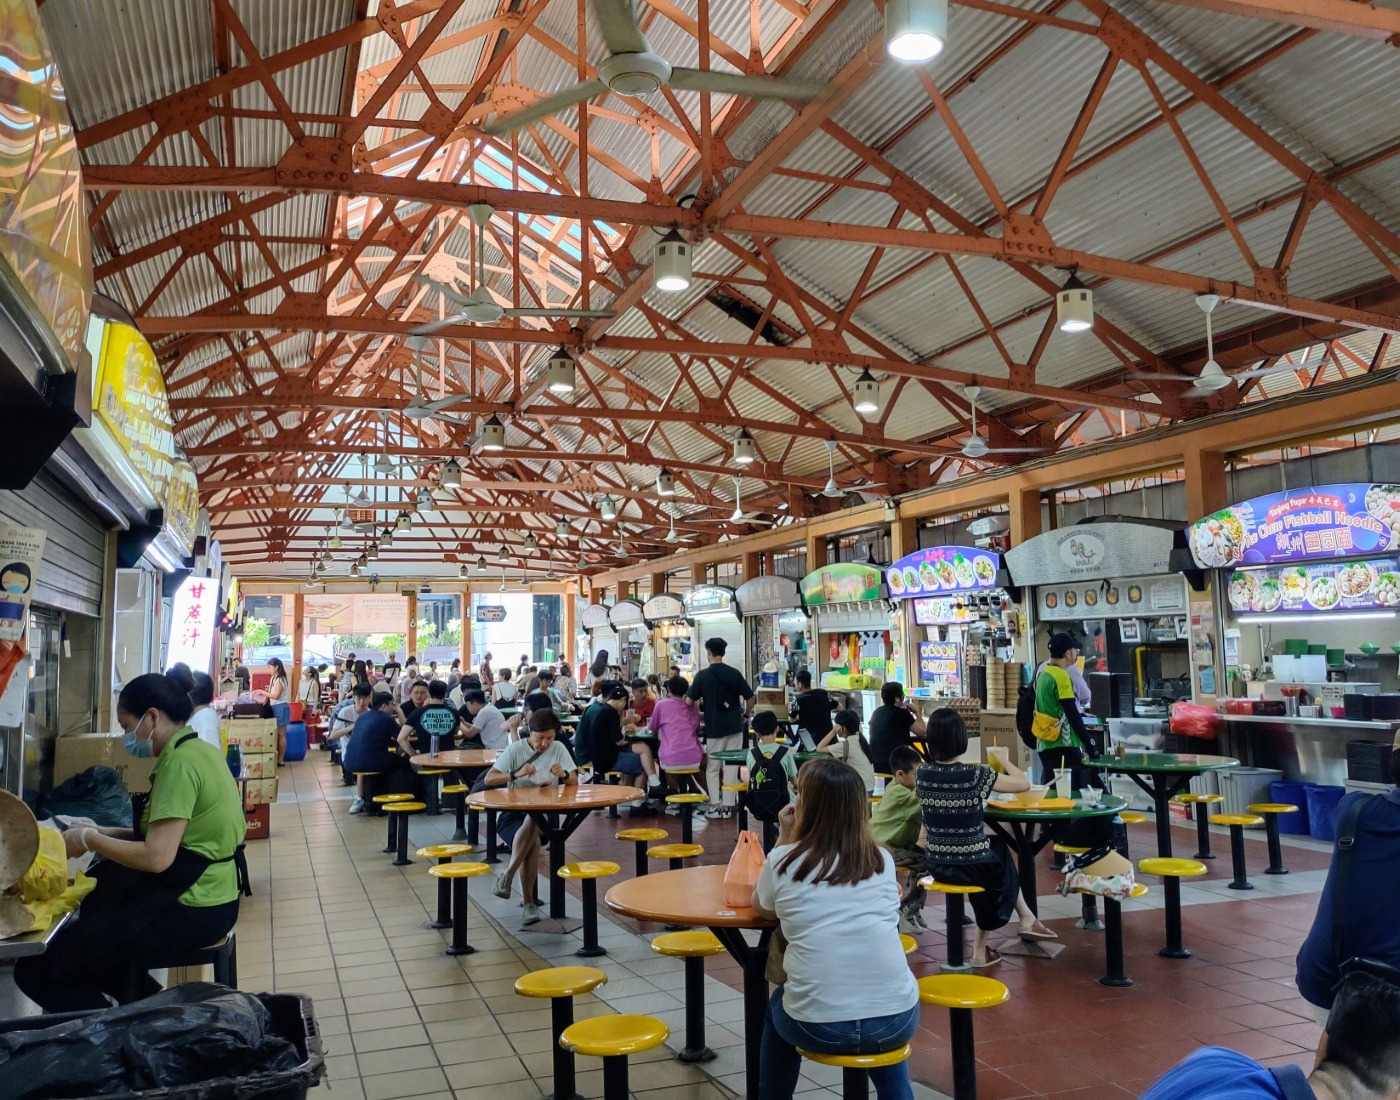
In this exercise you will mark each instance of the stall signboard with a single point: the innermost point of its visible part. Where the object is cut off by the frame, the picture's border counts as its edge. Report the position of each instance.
(769, 595)
(1117, 598)
(663, 607)
(940, 611)
(626, 614)
(130, 401)
(1091, 551)
(844, 582)
(490, 613)
(182, 505)
(350, 613)
(594, 616)
(1298, 525)
(711, 599)
(939, 663)
(942, 569)
(192, 624)
(1369, 585)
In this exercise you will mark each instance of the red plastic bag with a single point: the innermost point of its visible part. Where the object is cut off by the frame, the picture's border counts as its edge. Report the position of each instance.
(741, 876)
(1195, 720)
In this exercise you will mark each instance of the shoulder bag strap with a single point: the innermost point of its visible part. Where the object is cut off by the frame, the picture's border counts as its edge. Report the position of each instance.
(1293, 1083)
(1346, 841)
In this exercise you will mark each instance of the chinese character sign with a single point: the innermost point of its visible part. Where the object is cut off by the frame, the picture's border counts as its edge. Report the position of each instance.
(192, 624)
(1325, 521)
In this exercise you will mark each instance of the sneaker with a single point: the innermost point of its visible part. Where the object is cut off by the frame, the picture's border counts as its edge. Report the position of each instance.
(715, 812)
(502, 888)
(907, 926)
(358, 806)
(653, 781)
(532, 915)
(725, 812)
(673, 810)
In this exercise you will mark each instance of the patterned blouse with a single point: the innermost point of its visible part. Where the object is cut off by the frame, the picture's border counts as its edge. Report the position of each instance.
(952, 796)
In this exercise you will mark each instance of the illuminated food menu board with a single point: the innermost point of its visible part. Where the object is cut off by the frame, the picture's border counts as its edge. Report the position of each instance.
(940, 664)
(933, 611)
(942, 569)
(1325, 521)
(1327, 586)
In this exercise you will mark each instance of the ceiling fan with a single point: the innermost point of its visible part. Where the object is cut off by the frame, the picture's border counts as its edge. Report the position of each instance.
(672, 536)
(975, 445)
(631, 69)
(832, 488)
(1213, 378)
(480, 307)
(739, 515)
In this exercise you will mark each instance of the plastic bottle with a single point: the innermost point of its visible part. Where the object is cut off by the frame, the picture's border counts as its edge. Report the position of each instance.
(434, 749)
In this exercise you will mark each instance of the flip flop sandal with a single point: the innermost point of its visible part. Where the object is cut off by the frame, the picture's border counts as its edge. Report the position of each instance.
(1032, 934)
(993, 957)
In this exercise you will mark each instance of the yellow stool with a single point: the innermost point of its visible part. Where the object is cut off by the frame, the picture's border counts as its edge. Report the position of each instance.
(689, 775)
(613, 779)
(962, 995)
(1068, 849)
(953, 918)
(740, 802)
(1270, 811)
(443, 853)
(383, 800)
(402, 811)
(434, 778)
(640, 838)
(364, 781)
(1202, 804)
(687, 804)
(1089, 911)
(1113, 939)
(1131, 817)
(675, 853)
(1237, 824)
(588, 872)
(855, 1068)
(1172, 871)
(560, 985)
(908, 942)
(693, 948)
(458, 874)
(613, 1038)
(461, 790)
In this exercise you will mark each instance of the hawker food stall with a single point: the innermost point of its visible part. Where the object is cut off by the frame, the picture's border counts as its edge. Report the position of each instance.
(858, 642)
(714, 613)
(775, 628)
(670, 633)
(633, 653)
(1309, 590)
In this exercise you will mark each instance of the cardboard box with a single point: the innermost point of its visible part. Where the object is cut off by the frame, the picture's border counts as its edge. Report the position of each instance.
(259, 792)
(252, 734)
(259, 820)
(259, 765)
(74, 753)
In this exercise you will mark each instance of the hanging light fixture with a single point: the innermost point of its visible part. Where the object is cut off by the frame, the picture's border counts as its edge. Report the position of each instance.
(915, 30)
(745, 449)
(531, 543)
(671, 264)
(865, 394)
(607, 508)
(665, 483)
(403, 522)
(1074, 306)
(493, 435)
(386, 538)
(501, 556)
(452, 475)
(425, 500)
(559, 374)
(562, 528)
(462, 571)
(481, 564)
(354, 569)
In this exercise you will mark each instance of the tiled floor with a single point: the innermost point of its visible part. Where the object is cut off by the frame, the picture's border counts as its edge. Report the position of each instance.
(331, 917)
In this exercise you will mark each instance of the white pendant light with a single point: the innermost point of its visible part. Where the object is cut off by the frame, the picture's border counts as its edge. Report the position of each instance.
(354, 569)
(452, 475)
(865, 394)
(607, 508)
(559, 374)
(387, 538)
(481, 564)
(745, 449)
(1074, 306)
(425, 500)
(531, 544)
(403, 522)
(562, 528)
(665, 483)
(462, 571)
(501, 556)
(915, 30)
(671, 264)
(493, 435)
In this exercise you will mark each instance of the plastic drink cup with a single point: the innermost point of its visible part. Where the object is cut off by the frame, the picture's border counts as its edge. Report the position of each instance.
(994, 759)
(1064, 780)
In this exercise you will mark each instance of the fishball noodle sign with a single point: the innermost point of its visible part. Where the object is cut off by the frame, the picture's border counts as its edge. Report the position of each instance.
(1326, 521)
(1341, 586)
(192, 624)
(942, 569)
(939, 664)
(844, 582)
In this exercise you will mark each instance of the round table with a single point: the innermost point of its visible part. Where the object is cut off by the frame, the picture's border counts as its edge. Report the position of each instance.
(695, 895)
(1018, 828)
(557, 811)
(1163, 775)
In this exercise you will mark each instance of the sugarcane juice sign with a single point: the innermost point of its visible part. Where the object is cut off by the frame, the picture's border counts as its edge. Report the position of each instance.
(1299, 525)
(942, 569)
(939, 664)
(845, 582)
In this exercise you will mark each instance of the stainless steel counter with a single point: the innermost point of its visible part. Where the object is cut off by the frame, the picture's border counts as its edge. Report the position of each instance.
(1306, 750)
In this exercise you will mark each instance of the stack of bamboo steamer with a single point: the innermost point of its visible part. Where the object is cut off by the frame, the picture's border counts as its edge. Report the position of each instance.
(1003, 684)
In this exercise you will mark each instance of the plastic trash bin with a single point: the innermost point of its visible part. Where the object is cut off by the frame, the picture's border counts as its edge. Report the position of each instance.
(1291, 794)
(296, 741)
(1322, 809)
(1243, 786)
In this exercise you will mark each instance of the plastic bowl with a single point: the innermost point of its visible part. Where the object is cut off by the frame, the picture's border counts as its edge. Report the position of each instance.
(1092, 796)
(1033, 796)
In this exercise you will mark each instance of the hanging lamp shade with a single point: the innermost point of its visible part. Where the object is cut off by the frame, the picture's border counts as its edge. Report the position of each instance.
(562, 528)
(493, 435)
(462, 571)
(559, 374)
(531, 542)
(915, 30)
(452, 475)
(425, 500)
(403, 522)
(665, 484)
(607, 508)
(501, 556)
(387, 537)
(354, 569)
(481, 564)
(865, 394)
(1074, 306)
(671, 263)
(745, 449)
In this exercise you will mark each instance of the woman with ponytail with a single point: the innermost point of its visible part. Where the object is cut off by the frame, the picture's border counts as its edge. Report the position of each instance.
(171, 884)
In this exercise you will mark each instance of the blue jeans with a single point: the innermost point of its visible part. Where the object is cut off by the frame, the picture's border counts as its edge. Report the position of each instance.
(780, 1064)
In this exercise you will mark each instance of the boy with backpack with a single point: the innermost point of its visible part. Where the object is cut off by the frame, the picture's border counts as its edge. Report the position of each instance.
(771, 771)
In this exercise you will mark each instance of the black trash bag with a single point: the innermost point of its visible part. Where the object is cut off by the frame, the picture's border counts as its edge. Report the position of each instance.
(98, 793)
(190, 1034)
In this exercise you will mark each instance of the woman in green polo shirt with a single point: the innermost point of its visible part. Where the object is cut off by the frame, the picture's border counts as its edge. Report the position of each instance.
(172, 884)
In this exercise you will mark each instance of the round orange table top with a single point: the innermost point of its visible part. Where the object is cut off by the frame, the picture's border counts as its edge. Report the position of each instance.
(692, 895)
(455, 758)
(557, 798)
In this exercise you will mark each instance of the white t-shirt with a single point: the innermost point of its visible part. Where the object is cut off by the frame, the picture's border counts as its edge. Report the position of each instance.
(492, 726)
(843, 960)
(504, 692)
(848, 749)
(514, 755)
(206, 723)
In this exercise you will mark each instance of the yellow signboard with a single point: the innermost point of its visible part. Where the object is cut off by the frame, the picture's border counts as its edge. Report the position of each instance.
(130, 400)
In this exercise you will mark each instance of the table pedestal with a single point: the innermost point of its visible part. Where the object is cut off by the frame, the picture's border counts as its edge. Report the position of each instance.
(754, 960)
